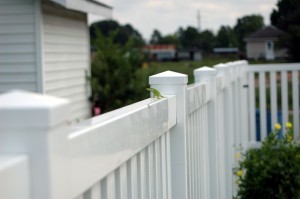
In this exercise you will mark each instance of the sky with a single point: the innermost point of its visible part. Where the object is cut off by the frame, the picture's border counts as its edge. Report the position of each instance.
(168, 15)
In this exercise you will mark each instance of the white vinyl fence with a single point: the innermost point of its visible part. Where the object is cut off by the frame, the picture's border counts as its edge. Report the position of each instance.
(180, 146)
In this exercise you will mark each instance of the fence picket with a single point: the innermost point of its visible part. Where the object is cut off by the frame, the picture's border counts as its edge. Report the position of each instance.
(164, 166)
(262, 105)
(151, 172)
(158, 183)
(111, 186)
(274, 108)
(295, 82)
(96, 191)
(168, 152)
(134, 177)
(123, 181)
(252, 107)
(284, 98)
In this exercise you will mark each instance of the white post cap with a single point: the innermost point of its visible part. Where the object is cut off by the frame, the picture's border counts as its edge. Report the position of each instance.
(223, 68)
(25, 109)
(168, 77)
(205, 71)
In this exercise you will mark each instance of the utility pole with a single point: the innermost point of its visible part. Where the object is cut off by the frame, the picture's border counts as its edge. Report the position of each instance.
(199, 20)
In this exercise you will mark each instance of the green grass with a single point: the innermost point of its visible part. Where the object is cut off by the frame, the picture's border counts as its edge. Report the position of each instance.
(185, 67)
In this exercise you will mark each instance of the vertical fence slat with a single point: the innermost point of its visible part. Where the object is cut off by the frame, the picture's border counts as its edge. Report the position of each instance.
(168, 147)
(143, 174)
(196, 173)
(201, 151)
(80, 197)
(274, 108)
(123, 181)
(284, 97)
(134, 180)
(206, 153)
(244, 103)
(197, 149)
(164, 166)
(151, 172)
(252, 107)
(103, 185)
(111, 186)
(158, 168)
(96, 191)
(189, 157)
(295, 82)
(262, 105)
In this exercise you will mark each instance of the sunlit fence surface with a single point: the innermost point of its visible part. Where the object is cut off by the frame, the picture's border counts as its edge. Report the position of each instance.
(179, 146)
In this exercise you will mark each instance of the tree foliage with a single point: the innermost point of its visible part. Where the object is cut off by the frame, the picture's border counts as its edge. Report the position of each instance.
(156, 37)
(287, 18)
(124, 33)
(226, 37)
(245, 26)
(113, 75)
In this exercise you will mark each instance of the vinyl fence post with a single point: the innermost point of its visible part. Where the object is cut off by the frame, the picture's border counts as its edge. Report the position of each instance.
(36, 126)
(245, 137)
(225, 126)
(172, 83)
(207, 75)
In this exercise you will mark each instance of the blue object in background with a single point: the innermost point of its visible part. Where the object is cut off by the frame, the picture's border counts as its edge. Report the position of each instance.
(269, 124)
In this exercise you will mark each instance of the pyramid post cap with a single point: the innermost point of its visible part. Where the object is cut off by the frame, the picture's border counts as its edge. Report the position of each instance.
(168, 77)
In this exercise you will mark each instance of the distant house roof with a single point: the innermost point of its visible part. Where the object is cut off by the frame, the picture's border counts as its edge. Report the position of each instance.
(87, 6)
(225, 50)
(266, 32)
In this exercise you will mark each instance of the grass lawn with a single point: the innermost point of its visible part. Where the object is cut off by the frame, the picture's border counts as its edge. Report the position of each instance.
(185, 67)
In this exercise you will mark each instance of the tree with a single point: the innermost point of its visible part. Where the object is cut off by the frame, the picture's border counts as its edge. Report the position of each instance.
(123, 35)
(190, 38)
(226, 37)
(287, 18)
(245, 26)
(113, 73)
(156, 37)
(170, 39)
(207, 40)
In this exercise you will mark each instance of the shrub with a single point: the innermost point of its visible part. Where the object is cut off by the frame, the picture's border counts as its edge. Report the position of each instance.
(114, 73)
(273, 171)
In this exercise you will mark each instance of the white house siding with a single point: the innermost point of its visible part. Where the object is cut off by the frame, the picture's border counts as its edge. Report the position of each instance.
(18, 45)
(255, 50)
(66, 57)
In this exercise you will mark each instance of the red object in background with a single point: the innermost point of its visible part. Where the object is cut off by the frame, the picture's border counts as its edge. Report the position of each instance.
(97, 111)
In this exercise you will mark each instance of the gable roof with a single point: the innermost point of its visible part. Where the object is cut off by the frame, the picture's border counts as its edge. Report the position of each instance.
(86, 6)
(266, 32)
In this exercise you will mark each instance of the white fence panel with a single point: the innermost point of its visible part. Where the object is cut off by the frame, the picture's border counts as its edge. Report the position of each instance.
(180, 146)
(280, 84)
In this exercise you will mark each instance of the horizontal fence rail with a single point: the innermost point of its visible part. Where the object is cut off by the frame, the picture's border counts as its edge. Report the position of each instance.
(181, 146)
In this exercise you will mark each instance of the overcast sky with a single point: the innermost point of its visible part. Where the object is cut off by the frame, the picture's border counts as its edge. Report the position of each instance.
(168, 15)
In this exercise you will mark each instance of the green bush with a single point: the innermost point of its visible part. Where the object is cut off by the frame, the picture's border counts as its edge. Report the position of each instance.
(272, 171)
(114, 73)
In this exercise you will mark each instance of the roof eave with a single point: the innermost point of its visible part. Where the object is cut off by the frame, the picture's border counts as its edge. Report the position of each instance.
(87, 6)
(253, 39)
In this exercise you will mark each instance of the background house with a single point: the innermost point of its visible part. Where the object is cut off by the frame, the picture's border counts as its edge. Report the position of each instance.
(45, 48)
(160, 52)
(262, 44)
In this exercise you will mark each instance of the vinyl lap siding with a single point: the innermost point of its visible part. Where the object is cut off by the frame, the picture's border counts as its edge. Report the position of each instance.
(66, 57)
(17, 45)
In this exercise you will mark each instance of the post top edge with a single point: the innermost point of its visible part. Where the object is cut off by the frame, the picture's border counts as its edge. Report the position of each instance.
(25, 99)
(205, 71)
(168, 77)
